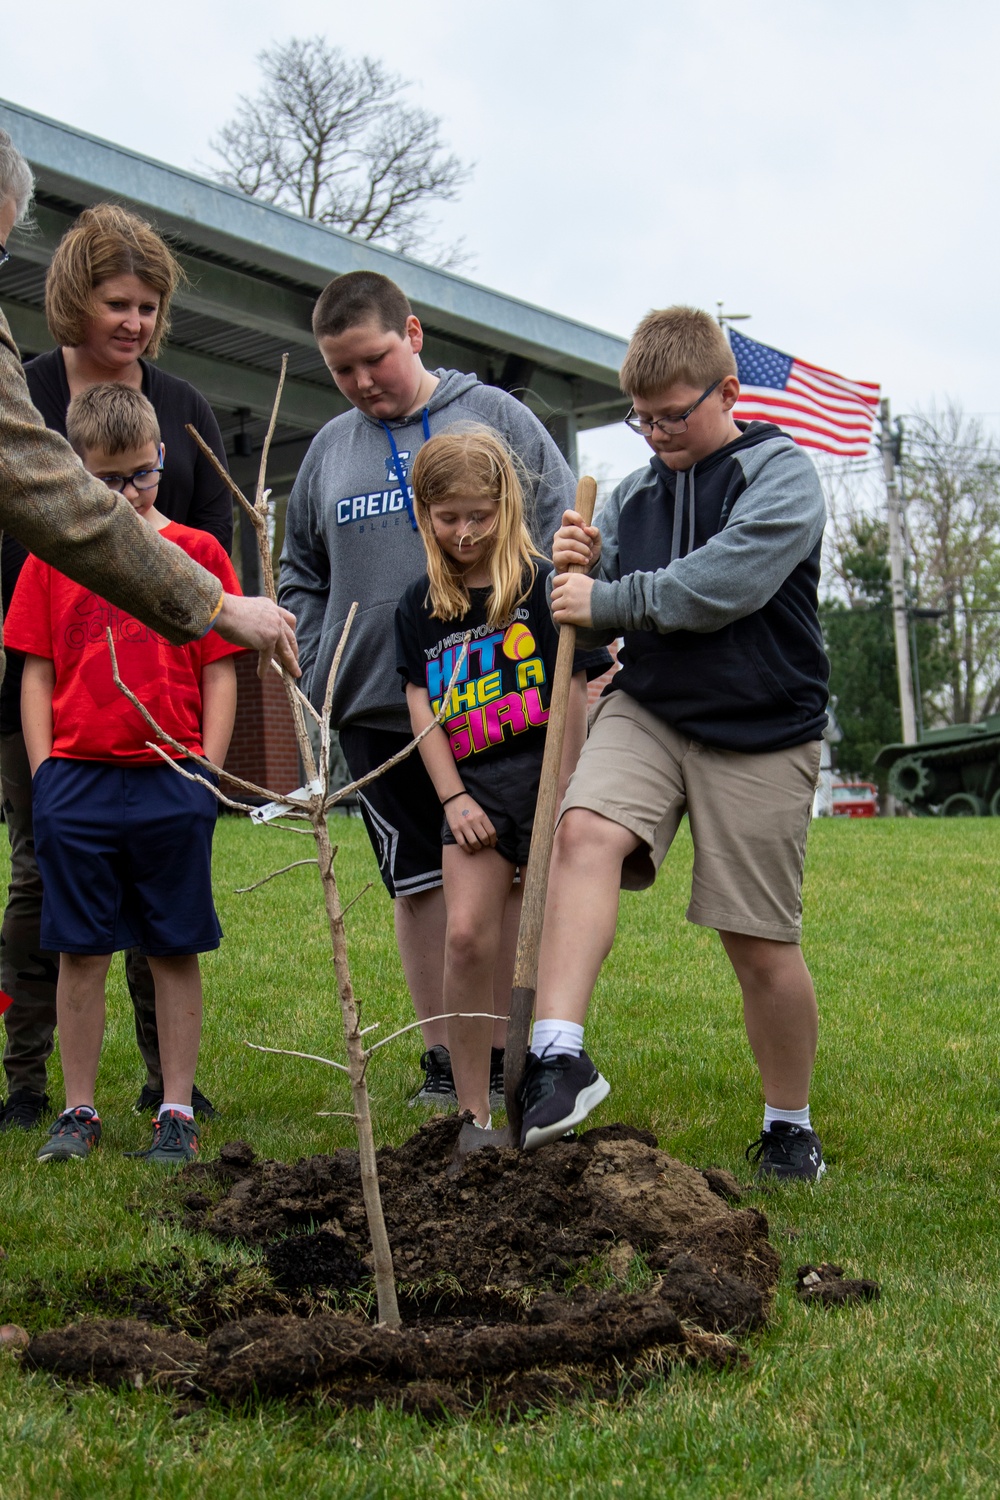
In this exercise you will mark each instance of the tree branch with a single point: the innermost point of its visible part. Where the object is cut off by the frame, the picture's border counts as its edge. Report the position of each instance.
(465, 1015)
(243, 890)
(286, 1052)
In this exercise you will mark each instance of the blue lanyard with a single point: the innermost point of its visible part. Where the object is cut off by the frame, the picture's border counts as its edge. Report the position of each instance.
(400, 466)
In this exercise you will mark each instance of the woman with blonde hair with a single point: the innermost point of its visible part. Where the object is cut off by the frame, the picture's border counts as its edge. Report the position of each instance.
(107, 302)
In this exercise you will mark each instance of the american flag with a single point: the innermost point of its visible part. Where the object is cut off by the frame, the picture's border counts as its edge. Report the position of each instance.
(815, 407)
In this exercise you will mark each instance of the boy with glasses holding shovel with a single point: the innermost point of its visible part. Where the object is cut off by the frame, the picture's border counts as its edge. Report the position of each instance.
(707, 562)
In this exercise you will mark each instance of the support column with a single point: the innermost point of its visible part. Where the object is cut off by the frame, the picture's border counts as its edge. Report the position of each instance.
(562, 429)
(904, 670)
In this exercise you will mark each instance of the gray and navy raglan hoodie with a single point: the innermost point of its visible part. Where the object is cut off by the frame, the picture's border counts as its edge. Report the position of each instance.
(350, 536)
(711, 576)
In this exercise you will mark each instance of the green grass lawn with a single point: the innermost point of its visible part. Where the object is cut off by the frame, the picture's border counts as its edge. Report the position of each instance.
(897, 1398)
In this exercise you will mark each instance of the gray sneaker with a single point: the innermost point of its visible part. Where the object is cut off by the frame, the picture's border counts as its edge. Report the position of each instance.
(438, 1086)
(74, 1133)
(496, 1078)
(175, 1141)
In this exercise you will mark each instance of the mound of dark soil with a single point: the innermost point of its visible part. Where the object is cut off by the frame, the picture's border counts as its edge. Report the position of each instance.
(502, 1220)
(497, 1256)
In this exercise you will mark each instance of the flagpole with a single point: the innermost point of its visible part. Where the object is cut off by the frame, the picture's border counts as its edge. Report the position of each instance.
(904, 670)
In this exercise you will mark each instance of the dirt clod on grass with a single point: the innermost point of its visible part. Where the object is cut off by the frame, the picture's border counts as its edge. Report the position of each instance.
(524, 1280)
(828, 1285)
(117, 1352)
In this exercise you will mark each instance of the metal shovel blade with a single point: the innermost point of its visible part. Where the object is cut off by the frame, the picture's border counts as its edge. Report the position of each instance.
(473, 1137)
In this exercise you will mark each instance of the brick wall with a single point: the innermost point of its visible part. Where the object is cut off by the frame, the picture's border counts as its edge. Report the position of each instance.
(264, 748)
(596, 688)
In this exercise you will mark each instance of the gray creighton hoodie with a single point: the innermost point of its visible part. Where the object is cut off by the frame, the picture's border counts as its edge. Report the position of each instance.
(350, 536)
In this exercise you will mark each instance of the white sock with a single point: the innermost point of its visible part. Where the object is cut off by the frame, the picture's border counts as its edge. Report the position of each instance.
(178, 1109)
(798, 1117)
(557, 1037)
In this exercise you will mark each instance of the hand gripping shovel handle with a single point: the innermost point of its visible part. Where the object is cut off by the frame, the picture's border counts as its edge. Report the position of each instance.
(522, 1000)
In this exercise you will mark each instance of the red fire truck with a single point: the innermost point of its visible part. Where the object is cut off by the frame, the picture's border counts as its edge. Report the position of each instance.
(855, 799)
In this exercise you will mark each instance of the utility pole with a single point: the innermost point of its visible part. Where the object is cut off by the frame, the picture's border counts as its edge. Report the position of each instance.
(904, 671)
(724, 318)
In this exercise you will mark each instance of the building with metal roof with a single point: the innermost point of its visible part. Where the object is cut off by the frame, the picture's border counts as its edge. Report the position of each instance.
(253, 274)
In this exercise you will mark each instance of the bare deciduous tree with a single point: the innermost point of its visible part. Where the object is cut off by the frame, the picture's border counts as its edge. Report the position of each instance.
(951, 484)
(310, 804)
(951, 489)
(329, 137)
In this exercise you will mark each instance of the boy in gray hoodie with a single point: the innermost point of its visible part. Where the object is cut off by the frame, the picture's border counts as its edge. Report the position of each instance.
(707, 562)
(351, 535)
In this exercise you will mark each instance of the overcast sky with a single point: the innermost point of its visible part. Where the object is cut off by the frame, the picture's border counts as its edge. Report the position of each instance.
(826, 165)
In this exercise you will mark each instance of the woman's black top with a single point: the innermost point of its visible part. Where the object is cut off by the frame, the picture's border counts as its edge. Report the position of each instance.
(190, 490)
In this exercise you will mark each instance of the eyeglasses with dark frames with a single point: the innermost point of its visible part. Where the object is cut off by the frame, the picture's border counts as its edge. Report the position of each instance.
(142, 479)
(668, 426)
(4, 255)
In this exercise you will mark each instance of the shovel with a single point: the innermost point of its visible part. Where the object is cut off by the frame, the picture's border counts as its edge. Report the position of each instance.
(529, 936)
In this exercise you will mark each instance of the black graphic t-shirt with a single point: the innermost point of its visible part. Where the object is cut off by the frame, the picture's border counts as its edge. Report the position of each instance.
(500, 705)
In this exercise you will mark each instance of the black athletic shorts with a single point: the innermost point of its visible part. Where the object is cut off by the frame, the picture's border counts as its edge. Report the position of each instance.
(401, 810)
(506, 788)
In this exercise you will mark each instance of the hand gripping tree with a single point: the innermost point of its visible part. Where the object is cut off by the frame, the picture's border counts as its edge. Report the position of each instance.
(312, 804)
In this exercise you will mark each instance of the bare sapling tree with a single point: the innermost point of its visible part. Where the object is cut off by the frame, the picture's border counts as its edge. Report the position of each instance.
(329, 137)
(311, 804)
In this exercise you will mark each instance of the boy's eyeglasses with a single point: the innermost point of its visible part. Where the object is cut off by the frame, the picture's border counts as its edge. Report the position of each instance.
(142, 479)
(668, 426)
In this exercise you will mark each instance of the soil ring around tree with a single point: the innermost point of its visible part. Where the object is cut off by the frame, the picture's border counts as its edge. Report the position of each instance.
(587, 1268)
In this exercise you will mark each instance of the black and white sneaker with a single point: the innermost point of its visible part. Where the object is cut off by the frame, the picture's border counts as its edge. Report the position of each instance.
(557, 1093)
(496, 1078)
(150, 1100)
(438, 1086)
(787, 1152)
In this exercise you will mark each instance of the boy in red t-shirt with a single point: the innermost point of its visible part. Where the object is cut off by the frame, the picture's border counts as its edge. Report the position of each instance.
(124, 842)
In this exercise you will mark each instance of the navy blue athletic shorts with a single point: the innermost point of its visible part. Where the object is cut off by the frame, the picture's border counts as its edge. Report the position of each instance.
(506, 788)
(401, 810)
(125, 854)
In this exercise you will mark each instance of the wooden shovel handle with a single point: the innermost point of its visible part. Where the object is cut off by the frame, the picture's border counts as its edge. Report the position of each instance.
(537, 879)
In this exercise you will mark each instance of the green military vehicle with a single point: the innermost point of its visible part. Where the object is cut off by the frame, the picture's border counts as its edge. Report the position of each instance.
(950, 773)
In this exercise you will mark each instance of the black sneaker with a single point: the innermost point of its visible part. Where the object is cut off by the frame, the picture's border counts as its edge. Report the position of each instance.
(149, 1101)
(175, 1141)
(496, 1078)
(557, 1093)
(74, 1133)
(24, 1110)
(787, 1151)
(438, 1086)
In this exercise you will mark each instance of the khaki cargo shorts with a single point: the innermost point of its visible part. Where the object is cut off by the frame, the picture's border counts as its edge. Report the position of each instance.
(749, 815)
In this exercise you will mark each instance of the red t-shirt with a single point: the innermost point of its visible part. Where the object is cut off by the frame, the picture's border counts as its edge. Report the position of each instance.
(54, 617)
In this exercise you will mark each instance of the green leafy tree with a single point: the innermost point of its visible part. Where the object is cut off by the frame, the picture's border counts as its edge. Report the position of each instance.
(858, 630)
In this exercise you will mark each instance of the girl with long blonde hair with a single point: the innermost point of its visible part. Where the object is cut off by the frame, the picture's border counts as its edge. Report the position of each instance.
(485, 580)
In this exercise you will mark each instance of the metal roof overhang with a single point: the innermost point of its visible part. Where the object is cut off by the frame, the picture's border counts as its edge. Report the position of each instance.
(253, 274)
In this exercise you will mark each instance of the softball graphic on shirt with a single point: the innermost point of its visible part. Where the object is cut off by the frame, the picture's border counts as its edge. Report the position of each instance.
(518, 642)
